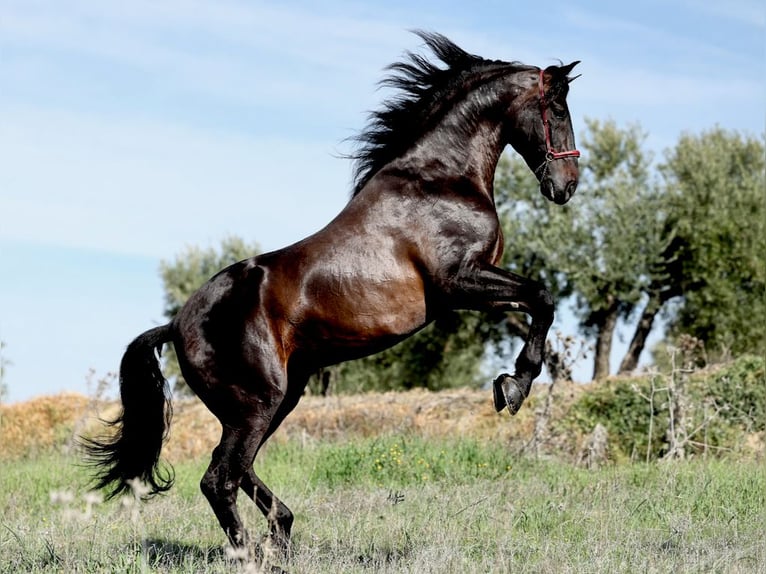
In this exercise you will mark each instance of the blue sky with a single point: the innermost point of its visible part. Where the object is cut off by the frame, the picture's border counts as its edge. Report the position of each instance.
(129, 130)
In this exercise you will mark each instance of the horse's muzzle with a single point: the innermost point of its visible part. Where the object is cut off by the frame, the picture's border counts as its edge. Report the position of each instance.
(558, 194)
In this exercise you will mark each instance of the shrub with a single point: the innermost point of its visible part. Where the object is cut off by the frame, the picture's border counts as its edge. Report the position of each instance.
(633, 412)
(740, 387)
(722, 405)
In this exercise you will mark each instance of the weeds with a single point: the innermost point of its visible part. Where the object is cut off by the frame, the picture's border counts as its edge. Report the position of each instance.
(540, 516)
(397, 461)
(422, 482)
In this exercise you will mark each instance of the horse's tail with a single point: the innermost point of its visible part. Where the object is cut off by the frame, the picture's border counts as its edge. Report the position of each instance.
(131, 456)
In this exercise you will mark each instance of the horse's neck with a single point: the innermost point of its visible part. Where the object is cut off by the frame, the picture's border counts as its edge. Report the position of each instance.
(453, 152)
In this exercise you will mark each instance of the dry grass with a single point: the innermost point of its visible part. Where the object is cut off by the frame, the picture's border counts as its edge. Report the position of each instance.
(40, 424)
(51, 421)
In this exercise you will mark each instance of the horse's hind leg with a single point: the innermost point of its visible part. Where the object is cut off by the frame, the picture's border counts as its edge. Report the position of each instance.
(245, 402)
(232, 460)
(278, 515)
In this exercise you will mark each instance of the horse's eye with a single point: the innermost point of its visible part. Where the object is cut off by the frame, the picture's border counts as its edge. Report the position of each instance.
(559, 111)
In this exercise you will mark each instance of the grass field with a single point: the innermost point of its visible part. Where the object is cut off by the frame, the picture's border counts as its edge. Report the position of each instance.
(400, 503)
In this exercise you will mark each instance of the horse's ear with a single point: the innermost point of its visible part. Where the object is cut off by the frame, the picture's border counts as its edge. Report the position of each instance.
(561, 72)
(566, 69)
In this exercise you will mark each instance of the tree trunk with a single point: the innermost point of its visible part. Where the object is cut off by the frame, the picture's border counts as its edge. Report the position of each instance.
(630, 360)
(605, 324)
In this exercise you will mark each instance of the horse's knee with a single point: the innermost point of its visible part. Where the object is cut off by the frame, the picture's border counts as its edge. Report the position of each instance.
(545, 305)
(208, 487)
(215, 489)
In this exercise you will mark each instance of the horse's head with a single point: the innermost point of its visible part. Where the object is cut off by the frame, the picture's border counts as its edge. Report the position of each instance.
(541, 130)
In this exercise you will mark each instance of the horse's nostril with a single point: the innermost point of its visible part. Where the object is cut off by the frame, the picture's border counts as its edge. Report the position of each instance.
(571, 188)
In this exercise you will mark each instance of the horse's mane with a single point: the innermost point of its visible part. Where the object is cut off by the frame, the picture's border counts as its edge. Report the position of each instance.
(426, 93)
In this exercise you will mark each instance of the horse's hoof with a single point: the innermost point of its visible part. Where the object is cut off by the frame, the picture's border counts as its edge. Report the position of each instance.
(507, 393)
(280, 546)
(271, 549)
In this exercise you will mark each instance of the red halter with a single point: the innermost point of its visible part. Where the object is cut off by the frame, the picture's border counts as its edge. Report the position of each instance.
(551, 154)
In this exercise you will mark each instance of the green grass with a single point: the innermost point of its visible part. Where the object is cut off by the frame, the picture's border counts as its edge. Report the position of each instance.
(393, 461)
(399, 504)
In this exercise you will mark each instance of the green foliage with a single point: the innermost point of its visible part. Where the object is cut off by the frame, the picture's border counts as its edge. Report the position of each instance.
(741, 387)
(185, 274)
(523, 213)
(716, 210)
(634, 414)
(634, 238)
(723, 404)
(603, 245)
(615, 216)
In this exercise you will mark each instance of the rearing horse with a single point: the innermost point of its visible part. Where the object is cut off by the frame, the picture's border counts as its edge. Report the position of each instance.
(419, 236)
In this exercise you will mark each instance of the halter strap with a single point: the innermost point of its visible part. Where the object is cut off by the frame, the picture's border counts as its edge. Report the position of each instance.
(550, 153)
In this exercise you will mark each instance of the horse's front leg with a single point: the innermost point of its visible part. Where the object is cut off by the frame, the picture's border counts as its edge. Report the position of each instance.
(491, 288)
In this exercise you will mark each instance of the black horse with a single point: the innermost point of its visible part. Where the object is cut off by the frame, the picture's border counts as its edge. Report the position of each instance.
(419, 236)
